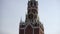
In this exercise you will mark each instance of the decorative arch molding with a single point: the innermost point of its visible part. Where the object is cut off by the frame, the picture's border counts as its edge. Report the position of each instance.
(28, 25)
(29, 29)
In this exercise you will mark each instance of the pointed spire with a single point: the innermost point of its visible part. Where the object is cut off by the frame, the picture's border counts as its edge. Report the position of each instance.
(31, 0)
(21, 20)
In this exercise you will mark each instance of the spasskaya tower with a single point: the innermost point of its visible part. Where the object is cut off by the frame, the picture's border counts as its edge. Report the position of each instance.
(32, 25)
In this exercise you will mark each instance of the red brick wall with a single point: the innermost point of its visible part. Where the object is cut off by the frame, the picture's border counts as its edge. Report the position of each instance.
(36, 31)
(29, 30)
(21, 31)
(41, 31)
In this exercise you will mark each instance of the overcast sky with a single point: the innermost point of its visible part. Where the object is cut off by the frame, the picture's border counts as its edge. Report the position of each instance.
(11, 11)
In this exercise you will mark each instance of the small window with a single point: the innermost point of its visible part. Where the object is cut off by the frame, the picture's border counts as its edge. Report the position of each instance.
(35, 24)
(31, 4)
(34, 4)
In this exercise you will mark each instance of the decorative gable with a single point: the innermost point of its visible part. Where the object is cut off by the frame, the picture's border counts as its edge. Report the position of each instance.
(29, 29)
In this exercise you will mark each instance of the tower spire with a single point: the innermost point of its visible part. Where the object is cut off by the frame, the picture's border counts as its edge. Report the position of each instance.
(21, 20)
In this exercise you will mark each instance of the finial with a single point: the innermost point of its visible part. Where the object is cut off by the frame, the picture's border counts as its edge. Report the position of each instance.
(21, 19)
(31, 0)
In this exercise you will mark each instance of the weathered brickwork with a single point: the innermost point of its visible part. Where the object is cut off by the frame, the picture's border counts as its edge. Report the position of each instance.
(29, 30)
(21, 31)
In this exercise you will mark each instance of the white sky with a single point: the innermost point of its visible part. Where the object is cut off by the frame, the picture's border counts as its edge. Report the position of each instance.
(12, 10)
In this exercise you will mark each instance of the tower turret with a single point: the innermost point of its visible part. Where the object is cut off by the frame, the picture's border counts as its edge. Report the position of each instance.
(32, 11)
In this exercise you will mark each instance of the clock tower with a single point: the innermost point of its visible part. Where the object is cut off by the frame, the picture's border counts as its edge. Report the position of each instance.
(32, 25)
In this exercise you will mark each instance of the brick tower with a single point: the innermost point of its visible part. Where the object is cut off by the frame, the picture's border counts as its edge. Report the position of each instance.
(32, 25)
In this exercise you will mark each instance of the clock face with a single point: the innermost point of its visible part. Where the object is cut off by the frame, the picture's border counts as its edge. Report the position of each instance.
(30, 16)
(34, 11)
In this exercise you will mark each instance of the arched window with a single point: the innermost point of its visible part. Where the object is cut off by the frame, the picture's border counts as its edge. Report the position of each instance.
(31, 4)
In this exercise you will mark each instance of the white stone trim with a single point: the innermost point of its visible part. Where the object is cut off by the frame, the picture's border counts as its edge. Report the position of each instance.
(27, 25)
(24, 31)
(31, 26)
(33, 30)
(35, 27)
(21, 28)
